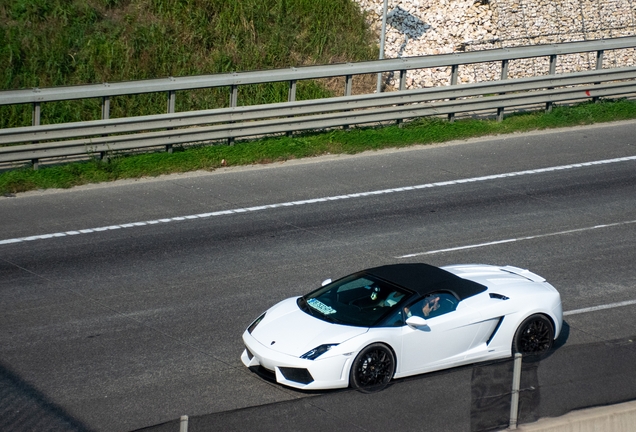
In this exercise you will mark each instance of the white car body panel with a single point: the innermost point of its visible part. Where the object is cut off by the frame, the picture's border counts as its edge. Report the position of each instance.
(306, 332)
(444, 340)
(481, 328)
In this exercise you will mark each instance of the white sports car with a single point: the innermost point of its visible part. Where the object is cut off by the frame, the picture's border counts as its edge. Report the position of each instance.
(398, 320)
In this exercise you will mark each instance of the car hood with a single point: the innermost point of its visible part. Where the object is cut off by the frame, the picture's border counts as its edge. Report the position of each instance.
(289, 330)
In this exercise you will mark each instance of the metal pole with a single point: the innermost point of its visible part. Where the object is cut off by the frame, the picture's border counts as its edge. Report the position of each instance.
(348, 88)
(402, 87)
(504, 75)
(382, 37)
(35, 116)
(105, 108)
(105, 116)
(183, 425)
(599, 66)
(233, 103)
(516, 383)
(291, 92)
(291, 97)
(454, 72)
(553, 62)
(172, 97)
(35, 121)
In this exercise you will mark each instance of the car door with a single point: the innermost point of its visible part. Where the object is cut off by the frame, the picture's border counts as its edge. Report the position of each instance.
(442, 342)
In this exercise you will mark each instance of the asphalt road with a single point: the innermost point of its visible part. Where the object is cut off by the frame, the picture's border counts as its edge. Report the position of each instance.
(122, 305)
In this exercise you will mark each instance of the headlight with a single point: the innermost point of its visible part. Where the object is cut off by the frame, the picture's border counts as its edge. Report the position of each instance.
(317, 352)
(252, 326)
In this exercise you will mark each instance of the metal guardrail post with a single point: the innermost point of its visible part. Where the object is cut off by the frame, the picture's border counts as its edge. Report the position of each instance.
(599, 59)
(599, 66)
(402, 88)
(347, 92)
(233, 103)
(291, 97)
(233, 95)
(35, 114)
(516, 383)
(504, 76)
(403, 79)
(553, 61)
(105, 108)
(35, 121)
(454, 72)
(183, 424)
(291, 93)
(172, 98)
(105, 116)
(348, 85)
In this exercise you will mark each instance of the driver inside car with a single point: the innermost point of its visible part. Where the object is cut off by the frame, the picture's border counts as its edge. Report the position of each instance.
(432, 305)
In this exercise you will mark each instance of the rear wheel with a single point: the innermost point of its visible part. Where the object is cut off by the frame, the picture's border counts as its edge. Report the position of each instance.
(534, 337)
(372, 368)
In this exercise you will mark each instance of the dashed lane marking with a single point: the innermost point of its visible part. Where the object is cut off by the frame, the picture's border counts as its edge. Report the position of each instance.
(315, 200)
(497, 242)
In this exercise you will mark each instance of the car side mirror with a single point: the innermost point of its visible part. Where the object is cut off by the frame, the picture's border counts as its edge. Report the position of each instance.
(416, 321)
(325, 282)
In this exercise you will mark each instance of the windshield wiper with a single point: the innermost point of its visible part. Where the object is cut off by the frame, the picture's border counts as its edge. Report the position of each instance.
(302, 304)
(330, 319)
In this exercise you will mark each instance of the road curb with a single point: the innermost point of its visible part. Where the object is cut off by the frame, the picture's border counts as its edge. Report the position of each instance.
(615, 418)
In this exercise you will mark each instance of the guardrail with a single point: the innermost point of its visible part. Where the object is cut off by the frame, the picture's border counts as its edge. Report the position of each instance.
(106, 135)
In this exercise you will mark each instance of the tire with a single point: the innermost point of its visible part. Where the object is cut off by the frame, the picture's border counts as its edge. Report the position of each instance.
(372, 368)
(534, 337)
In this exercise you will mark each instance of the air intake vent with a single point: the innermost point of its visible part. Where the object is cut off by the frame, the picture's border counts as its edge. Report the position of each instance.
(498, 296)
(495, 330)
(296, 374)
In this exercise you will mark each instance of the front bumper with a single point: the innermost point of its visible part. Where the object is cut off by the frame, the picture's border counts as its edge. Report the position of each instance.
(323, 373)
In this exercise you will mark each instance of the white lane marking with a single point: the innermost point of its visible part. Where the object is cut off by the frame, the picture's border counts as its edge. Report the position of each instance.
(317, 200)
(601, 307)
(478, 245)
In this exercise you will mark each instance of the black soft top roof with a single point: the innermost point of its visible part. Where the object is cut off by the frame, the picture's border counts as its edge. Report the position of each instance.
(425, 279)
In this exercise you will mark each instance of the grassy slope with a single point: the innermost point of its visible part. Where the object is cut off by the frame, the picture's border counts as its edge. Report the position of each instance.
(62, 42)
(46, 43)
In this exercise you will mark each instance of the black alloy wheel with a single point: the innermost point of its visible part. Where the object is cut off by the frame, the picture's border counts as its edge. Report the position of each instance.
(373, 368)
(534, 336)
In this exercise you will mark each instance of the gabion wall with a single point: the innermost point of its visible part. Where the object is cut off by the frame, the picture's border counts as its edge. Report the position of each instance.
(428, 27)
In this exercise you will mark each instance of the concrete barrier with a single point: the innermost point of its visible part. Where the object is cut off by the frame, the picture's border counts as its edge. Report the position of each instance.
(612, 418)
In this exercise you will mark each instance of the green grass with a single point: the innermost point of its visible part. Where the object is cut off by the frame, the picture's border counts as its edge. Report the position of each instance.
(355, 140)
(47, 43)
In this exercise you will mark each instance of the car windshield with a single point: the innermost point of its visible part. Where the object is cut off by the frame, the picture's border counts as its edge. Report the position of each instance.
(358, 300)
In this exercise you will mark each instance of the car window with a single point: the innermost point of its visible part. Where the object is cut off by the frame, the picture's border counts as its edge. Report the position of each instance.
(394, 320)
(433, 305)
(355, 300)
(355, 283)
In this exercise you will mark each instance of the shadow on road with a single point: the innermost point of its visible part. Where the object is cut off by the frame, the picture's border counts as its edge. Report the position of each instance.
(24, 408)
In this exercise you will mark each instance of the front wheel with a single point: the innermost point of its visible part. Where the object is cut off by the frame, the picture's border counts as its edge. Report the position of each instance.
(372, 368)
(534, 337)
